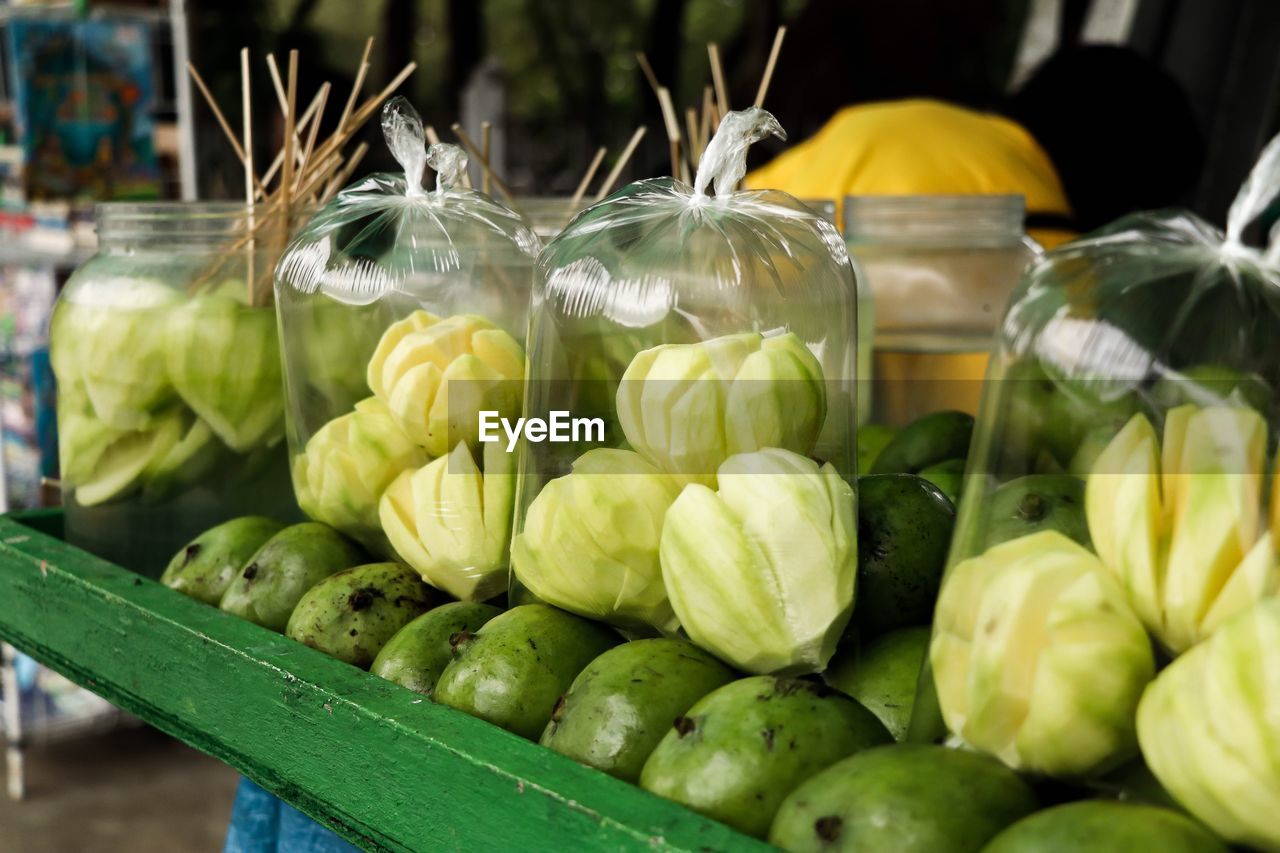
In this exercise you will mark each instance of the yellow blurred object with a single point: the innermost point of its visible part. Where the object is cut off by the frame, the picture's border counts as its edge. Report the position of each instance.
(920, 147)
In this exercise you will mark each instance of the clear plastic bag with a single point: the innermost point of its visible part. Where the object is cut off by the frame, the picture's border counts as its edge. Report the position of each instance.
(1120, 507)
(710, 340)
(402, 314)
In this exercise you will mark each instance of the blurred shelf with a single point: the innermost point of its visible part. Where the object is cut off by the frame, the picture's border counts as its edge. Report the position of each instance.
(379, 764)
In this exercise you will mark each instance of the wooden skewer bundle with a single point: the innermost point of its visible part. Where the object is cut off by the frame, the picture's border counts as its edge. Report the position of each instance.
(702, 120)
(307, 170)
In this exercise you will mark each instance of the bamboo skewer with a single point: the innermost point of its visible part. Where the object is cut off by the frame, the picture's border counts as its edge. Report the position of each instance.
(717, 77)
(311, 136)
(710, 120)
(357, 85)
(616, 171)
(339, 180)
(486, 134)
(222, 121)
(303, 123)
(586, 179)
(310, 171)
(250, 191)
(643, 62)
(673, 128)
(768, 68)
(691, 127)
(290, 127)
(475, 152)
(363, 113)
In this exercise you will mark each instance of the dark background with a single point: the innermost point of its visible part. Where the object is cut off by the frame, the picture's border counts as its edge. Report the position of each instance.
(566, 80)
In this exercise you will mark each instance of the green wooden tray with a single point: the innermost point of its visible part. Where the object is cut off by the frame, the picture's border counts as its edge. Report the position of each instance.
(377, 763)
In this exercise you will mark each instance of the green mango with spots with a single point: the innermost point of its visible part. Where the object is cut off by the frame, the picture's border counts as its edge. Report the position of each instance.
(352, 614)
(272, 582)
(622, 704)
(908, 798)
(205, 566)
(513, 670)
(883, 674)
(1104, 826)
(904, 532)
(743, 748)
(418, 653)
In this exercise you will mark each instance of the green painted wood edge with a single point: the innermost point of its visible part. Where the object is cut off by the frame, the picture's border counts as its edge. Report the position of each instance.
(373, 761)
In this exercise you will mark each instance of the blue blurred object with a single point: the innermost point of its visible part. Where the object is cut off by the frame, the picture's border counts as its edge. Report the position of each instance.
(261, 823)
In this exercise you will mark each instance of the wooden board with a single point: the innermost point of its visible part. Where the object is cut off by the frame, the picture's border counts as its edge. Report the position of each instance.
(377, 763)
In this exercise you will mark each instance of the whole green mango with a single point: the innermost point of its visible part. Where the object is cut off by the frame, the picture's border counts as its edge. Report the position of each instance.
(925, 442)
(273, 580)
(908, 798)
(621, 705)
(743, 748)
(904, 531)
(512, 671)
(883, 675)
(352, 614)
(1101, 826)
(419, 652)
(205, 566)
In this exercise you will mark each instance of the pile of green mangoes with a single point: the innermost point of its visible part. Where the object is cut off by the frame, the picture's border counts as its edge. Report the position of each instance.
(810, 763)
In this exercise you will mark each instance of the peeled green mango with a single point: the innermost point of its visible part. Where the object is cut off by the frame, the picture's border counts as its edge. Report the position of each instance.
(1213, 385)
(740, 750)
(904, 530)
(1033, 503)
(418, 653)
(512, 671)
(437, 375)
(1179, 521)
(924, 442)
(1210, 732)
(352, 614)
(269, 585)
(908, 798)
(224, 361)
(1099, 826)
(590, 540)
(204, 568)
(121, 467)
(348, 464)
(688, 407)
(622, 704)
(82, 439)
(883, 675)
(196, 454)
(453, 524)
(1038, 659)
(762, 573)
(108, 338)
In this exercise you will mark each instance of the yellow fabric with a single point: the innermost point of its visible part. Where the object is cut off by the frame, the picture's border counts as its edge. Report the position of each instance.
(919, 147)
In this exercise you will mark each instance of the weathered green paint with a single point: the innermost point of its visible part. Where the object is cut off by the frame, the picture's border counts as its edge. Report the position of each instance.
(378, 763)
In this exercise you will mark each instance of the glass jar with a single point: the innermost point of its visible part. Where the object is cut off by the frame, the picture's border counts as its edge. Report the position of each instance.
(699, 353)
(1112, 582)
(548, 215)
(402, 319)
(940, 270)
(170, 404)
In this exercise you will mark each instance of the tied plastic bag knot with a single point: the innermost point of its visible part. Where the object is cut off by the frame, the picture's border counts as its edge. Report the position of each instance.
(724, 163)
(402, 128)
(449, 163)
(1256, 194)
